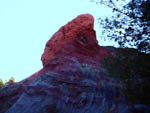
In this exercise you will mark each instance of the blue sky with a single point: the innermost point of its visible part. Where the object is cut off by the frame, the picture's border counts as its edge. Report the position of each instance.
(26, 26)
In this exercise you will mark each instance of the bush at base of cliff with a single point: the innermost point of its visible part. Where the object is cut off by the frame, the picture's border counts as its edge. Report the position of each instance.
(132, 69)
(1, 83)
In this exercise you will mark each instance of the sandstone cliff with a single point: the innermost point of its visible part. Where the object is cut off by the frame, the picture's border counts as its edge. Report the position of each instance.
(79, 76)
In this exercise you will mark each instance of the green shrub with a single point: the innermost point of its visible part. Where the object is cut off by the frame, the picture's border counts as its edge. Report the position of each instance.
(11, 81)
(1, 83)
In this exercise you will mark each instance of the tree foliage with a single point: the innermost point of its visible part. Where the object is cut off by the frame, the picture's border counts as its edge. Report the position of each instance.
(10, 81)
(133, 72)
(1, 83)
(129, 25)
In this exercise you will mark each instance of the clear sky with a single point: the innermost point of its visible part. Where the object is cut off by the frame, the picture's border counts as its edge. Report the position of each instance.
(26, 26)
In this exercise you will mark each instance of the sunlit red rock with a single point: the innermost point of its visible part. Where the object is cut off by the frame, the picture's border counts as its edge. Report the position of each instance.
(77, 39)
(73, 78)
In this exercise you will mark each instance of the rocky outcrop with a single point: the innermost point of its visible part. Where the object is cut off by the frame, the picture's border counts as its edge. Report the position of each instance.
(76, 39)
(79, 76)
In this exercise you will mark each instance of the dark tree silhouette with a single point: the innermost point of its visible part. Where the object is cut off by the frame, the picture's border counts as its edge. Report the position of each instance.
(129, 25)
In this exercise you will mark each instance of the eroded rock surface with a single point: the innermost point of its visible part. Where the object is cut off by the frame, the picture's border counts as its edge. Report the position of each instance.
(74, 79)
(77, 38)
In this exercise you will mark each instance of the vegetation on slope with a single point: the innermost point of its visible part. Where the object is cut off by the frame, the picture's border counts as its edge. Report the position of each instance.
(132, 68)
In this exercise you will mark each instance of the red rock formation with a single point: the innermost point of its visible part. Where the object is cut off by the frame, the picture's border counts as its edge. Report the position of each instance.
(77, 39)
(73, 79)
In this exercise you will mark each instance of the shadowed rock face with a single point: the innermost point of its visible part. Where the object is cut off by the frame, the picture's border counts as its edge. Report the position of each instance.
(73, 78)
